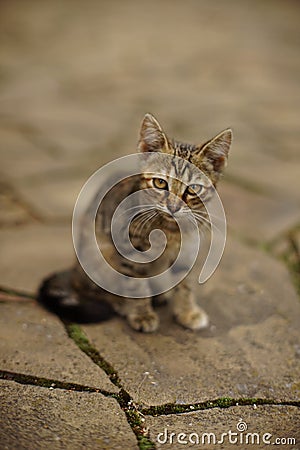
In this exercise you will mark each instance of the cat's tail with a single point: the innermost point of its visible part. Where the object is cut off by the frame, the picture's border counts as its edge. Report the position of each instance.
(56, 295)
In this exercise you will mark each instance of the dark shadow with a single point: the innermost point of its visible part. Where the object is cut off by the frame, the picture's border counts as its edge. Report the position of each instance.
(54, 295)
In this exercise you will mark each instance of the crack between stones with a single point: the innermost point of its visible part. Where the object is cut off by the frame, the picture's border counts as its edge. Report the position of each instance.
(32, 134)
(291, 256)
(132, 411)
(77, 335)
(49, 383)
(293, 263)
(17, 199)
(222, 403)
(7, 295)
(33, 215)
(135, 413)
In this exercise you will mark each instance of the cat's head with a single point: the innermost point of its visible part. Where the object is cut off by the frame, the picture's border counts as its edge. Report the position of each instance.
(171, 175)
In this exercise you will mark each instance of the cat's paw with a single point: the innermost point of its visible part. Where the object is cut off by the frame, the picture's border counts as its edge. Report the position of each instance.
(195, 319)
(147, 323)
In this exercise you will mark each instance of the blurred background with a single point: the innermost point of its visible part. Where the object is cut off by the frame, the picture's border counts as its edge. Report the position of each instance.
(76, 78)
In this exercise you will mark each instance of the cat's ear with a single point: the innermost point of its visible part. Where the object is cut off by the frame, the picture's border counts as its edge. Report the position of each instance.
(152, 137)
(214, 153)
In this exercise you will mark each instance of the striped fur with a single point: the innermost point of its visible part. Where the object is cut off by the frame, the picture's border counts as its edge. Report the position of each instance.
(172, 184)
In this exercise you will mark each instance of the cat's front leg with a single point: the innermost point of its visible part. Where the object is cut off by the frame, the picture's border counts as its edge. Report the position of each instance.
(186, 311)
(138, 312)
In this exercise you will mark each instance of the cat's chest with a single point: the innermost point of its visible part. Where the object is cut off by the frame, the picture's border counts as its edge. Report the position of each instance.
(156, 244)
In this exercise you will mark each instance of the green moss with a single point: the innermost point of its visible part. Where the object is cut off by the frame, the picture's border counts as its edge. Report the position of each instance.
(144, 443)
(15, 293)
(75, 332)
(47, 383)
(134, 420)
(294, 269)
(290, 255)
(133, 412)
(123, 398)
(223, 402)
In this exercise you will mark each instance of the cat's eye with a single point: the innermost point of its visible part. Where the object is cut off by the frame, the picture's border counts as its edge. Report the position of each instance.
(160, 183)
(194, 189)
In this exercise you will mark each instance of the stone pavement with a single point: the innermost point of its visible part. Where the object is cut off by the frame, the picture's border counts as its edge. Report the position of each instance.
(75, 81)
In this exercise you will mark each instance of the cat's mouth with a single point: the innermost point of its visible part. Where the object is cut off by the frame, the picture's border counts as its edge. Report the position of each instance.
(161, 217)
(176, 220)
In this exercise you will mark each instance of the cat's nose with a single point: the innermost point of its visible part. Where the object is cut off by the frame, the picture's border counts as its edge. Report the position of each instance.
(173, 206)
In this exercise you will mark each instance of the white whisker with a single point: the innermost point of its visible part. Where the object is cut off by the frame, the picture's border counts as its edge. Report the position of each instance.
(148, 220)
(144, 218)
(204, 220)
(204, 224)
(143, 214)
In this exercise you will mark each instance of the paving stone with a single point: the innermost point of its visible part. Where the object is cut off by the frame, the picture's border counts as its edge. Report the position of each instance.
(254, 427)
(49, 179)
(258, 216)
(36, 418)
(11, 211)
(11, 214)
(53, 200)
(34, 342)
(42, 178)
(255, 316)
(73, 88)
(74, 135)
(30, 253)
(108, 73)
(278, 177)
(20, 156)
(296, 237)
(82, 101)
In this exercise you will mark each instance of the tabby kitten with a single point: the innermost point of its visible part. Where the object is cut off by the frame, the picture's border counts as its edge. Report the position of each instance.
(72, 294)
